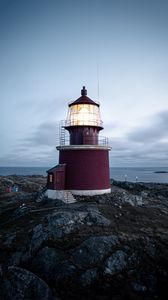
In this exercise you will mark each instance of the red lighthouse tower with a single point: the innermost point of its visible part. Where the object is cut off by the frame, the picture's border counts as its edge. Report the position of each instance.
(83, 167)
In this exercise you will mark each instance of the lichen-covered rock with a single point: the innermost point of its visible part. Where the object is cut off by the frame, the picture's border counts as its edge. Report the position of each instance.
(46, 262)
(116, 262)
(20, 212)
(63, 223)
(90, 276)
(9, 238)
(104, 246)
(60, 224)
(20, 284)
(93, 250)
(38, 237)
(133, 200)
(65, 272)
(138, 287)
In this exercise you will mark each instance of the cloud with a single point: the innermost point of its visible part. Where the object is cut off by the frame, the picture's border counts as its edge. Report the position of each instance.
(157, 130)
(38, 149)
(143, 146)
(28, 157)
(46, 134)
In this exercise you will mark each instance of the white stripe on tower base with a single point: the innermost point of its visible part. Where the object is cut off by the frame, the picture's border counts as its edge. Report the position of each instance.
(90, 192)
(59, 194)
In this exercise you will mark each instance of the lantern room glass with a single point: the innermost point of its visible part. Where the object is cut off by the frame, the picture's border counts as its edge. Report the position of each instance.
(83, 114)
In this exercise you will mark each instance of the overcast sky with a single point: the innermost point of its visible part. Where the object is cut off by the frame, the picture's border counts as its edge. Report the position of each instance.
(49, 49)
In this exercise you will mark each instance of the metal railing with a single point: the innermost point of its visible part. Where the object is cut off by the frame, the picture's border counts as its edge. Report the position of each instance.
(64, 138)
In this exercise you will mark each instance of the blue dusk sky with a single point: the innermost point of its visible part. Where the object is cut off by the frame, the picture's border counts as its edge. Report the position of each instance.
(49, 49)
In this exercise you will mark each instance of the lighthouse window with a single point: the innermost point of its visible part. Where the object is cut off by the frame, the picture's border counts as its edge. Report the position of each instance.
(50, 178)
(84, 114)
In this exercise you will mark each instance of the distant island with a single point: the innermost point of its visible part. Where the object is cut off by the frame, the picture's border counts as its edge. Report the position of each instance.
(160, 172)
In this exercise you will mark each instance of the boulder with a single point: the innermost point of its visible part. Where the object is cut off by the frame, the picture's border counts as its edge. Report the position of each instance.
(47, 262)
(93, 250)
(65, 272)
(133, 200)
(63, 223)
(116, 262)
(39, 235)
(89, 277)
(20, 284)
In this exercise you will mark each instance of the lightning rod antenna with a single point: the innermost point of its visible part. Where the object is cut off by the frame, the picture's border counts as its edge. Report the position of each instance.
(98, 89)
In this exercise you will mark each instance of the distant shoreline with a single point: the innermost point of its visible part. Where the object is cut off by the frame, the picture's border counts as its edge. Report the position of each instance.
(148, 174)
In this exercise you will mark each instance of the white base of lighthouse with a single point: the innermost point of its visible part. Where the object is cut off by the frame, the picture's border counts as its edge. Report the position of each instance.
(63, 194)
(90, 192)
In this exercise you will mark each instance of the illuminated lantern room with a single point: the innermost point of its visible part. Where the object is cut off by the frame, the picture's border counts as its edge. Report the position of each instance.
(84, 111)
(83, 120)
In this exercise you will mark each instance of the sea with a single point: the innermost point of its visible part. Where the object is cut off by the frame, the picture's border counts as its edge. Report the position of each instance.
(139, 174)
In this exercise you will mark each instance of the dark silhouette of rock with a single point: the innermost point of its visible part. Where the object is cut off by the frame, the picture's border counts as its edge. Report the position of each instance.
(116, 262)
(46, 263)
(17, 284)
(93, 250)
(90, 276)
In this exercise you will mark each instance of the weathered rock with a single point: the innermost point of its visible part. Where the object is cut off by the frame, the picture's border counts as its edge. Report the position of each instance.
(38, 237)
(21, 211)
(89, 277)
(105, 246)
(63, 223)
(46, 262)
(116, 262)
(65, 272)
(15, 258)
(144, 194)
(17, 284)
(138, 287)
(9, 238)
(93, 250)
(134, 200)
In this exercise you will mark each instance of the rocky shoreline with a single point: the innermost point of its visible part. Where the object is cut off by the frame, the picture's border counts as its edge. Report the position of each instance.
(111, 246)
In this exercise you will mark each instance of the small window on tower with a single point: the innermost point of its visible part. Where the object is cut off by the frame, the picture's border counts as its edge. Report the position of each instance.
(50, 178)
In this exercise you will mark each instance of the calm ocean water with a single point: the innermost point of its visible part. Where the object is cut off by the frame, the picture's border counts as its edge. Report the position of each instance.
(23, 171)
(140, 174)
(130, 174)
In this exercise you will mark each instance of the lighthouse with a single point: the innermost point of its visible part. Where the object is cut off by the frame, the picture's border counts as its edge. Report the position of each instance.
(83, 167)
